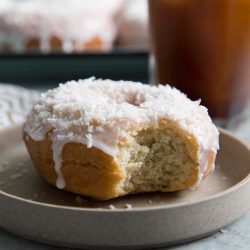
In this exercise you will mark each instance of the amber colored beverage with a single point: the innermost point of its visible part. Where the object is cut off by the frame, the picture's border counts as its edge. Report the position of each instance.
(202, 47)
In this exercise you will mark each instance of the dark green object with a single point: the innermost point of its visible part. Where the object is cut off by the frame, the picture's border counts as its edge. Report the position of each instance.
(41, 71)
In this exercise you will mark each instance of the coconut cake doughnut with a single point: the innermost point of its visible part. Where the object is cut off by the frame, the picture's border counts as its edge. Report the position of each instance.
(15, 103)
(58, 25)
(105, 139)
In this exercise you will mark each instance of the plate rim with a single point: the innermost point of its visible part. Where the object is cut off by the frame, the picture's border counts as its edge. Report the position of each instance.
(227, 191)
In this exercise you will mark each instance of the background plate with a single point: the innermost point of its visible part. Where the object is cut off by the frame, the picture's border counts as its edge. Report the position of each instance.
(36, 210)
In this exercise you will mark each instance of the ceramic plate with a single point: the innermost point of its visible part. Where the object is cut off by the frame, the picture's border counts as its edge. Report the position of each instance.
(34, 209)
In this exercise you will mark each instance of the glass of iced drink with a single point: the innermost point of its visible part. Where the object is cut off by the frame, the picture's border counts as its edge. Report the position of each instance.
(202, 47)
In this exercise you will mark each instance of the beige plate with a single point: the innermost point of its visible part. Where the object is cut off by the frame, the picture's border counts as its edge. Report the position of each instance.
(32, 208)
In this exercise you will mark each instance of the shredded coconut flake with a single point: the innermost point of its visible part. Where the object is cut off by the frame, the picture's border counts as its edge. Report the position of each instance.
(223, 231)
(90, 140)
(92, 106)
(99, 129)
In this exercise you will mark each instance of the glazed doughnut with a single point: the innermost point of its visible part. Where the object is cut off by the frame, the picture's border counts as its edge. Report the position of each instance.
(58, 25)
(15, 103)
(105, 139)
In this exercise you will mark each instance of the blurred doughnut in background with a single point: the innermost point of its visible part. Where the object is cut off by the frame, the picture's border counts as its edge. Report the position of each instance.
(71, 25)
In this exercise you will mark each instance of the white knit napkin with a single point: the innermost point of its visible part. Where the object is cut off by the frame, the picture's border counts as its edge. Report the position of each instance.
(15, 103)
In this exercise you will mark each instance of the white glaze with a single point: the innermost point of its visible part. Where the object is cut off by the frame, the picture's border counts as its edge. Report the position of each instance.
(99, 113)
(60, 138)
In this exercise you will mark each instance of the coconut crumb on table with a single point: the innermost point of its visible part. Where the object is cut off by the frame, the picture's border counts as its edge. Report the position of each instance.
(15, 176)
(112, 207)
(223, 231)
(129, 206)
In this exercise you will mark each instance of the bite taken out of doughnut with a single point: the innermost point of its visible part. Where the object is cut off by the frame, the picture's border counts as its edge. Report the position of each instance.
(105, 139)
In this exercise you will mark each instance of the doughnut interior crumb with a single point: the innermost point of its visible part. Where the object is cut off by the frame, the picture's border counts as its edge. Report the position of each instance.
(156, 160)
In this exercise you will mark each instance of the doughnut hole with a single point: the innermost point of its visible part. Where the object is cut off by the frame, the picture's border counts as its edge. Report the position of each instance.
(156, 159)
